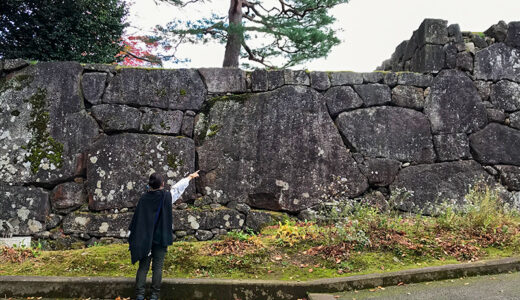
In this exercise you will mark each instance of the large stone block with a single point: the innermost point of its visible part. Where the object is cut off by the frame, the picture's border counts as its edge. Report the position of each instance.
(506, 95)
(259, 80)
(432, 31)
(408, 96)
(98, 225)
(390, 132)
(374, 94)
(320, 81)
(119, 165)
(224, 80)
(496, 144)
(345, 78)
(342, 98)
(454, 105)
(161, 121)
(275, 79)
(298, 77)
(415, 79)
(25, 208)
(93, 86)
(68, 196)
(379, 171)
(423, 188)
(452, 146)
(207, 219)
(181, 89)
(428, 59)
(114, 117)
(42, 123)
(497, 62)
(277, 150)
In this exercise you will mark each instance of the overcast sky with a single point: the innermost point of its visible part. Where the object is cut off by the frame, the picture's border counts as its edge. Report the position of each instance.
(371, 29)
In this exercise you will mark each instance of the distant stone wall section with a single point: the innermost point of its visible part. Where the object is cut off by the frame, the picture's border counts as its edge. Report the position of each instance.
(77, 142)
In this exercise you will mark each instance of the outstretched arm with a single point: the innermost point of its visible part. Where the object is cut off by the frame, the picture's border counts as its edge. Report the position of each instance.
(178, 188)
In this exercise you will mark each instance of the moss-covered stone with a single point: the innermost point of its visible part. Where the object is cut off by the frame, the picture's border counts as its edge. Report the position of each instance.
(41, 146)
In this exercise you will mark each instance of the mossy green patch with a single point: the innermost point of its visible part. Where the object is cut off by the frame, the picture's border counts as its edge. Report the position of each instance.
(41, 146)
(213, 130)
(182, 92)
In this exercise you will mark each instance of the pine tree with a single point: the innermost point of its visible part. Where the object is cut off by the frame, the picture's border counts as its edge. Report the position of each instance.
(293, 31)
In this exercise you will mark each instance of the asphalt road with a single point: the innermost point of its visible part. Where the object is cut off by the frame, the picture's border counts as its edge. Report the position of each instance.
(503, 286)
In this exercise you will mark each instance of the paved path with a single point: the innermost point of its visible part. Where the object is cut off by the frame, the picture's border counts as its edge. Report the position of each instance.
(504, 286)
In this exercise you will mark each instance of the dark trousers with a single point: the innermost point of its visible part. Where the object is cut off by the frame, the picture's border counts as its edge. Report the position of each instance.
(158, 254)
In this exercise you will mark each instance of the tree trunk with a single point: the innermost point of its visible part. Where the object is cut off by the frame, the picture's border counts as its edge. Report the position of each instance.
(235, 36)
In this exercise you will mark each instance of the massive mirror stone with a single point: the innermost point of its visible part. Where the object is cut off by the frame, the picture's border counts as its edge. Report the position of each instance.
(118, 167)
(389, 132)
(43, 125)
(277, 150)
(424, 188)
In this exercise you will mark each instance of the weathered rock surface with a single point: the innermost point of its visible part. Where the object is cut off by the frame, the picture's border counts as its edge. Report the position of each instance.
(14, 64)
(390, 132)
(506, 95)
(423, 188)
(259, 80)
(222, 80)
(451, 146)
(180, 89)
(496, 144)
(118, 167)
(98, 225)
(379, 171)
(68, 196)
(93, 86)
(497, 31)
(342, 98)
(25, 208)
(344, 78)
(373, 77)
(320, 81)
(513, 35)
(408, 96)
(428, 59)
(275, 79)
(510, 176)
(114, 117)
(514, 120)
(497, 62)
(298, 77)
(188, 122)
(453, 104)
(415, 79)
(160, 121)
(374, 94)
(207, 219)
(432, 31)
(43, 125)
(253, 152)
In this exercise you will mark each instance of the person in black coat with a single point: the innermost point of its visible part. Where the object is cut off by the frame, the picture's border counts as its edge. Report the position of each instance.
(151, 231)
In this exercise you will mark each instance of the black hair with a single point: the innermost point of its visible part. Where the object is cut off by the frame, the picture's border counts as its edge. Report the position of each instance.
(155, 181)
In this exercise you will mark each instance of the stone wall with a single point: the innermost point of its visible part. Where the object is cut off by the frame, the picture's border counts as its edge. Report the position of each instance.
(77, 142)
